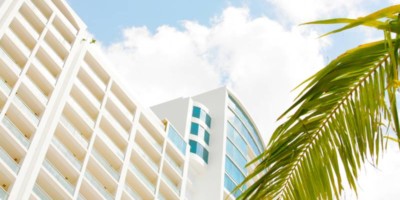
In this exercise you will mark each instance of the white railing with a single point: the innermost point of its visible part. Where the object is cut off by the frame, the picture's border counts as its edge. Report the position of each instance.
(99, 187)
(7, 159)
(16, 132)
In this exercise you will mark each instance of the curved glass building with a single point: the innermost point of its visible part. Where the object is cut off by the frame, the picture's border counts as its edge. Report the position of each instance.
(222, 137)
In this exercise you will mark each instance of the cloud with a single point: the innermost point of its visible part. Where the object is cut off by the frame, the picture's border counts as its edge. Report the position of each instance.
(261, 60)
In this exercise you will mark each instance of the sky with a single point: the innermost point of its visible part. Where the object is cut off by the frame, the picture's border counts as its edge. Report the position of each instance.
(168, 49)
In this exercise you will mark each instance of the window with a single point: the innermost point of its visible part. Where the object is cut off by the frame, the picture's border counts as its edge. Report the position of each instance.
(202, 115)
(207, 137)
(199, 150)
(194, 129)
(196, 112)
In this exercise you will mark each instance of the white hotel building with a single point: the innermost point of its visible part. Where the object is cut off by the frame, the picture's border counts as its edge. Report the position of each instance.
(69, 129)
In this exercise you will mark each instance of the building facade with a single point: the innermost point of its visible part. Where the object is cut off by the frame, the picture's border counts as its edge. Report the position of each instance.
(222, 140)
(69, 130)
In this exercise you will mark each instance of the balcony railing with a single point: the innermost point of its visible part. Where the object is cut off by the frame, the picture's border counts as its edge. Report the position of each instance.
(105, 164)
(177, 139)
(16, 132)
(161, 197)
(82, 113)
(171, 184)
(98, 186)
(78, 135)
(174, 164)
(26, 110)
(41, 96)
(7, 159)
(88, 93)
(150, 138)
(40, 193)
(67, 153)
(5, 87)
(132, 192)
(59, 177)
(112, 145)
(45, 71)
(3, 193)
(146, 157)
(116, 124)
(15, 67)
(142, 177)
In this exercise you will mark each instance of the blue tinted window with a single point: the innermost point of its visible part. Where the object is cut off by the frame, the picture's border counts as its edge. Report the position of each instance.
(233, 171)
(207, 137)
(243, 117)
(235, 137)
(194, 129)
(208, 121)
(196, 112)
(202, 115)
(193, 146)
(230, 185)
(236, 156)
(177, 139)
(243, 131)
(199, 150)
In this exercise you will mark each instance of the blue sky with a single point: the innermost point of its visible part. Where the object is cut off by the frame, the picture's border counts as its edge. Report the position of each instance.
(105, 19)
(168, 49)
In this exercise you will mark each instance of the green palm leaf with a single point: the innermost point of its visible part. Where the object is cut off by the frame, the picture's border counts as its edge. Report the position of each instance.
(336, 126)
(336, 122)
(371, 20)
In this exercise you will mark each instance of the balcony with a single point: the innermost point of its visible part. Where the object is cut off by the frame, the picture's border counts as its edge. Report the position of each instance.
(9, 61)
(16, 132)
(105, 164)
(60, 146)
(18, 43)
(121, 107)
(149, 138)
(147, 158)
(100, 188)
(116, 125)
(87, 93)
(26, 110)
(40, 193)
(3, 193)
(60, 38)
(177, 139)
(77, 134)
(9, 161)
(5, 87)
(37, 91)
(142, 177)
(37, 12)
(132, 193)
(174, 165)
(27, 26)
(53, 55)
(48, 76)
(81, 112)
(59, 177)
(171, 185)
(115, 149)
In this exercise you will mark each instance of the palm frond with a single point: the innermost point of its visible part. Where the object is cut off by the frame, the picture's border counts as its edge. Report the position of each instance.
(372, 20)
(335, 127)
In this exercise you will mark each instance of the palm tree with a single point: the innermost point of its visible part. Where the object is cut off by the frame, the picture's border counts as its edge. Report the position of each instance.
(337, 122)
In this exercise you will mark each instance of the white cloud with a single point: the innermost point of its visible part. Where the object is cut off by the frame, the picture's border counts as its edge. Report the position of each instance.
(257, 57)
